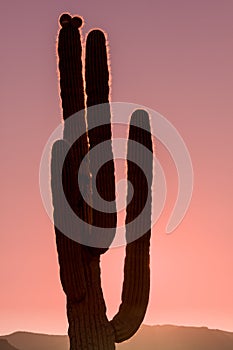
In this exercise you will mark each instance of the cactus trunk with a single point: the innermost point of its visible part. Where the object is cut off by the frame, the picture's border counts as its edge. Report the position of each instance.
(79, 267)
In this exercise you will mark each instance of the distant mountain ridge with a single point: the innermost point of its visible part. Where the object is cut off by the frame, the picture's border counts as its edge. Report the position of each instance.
(148, 337)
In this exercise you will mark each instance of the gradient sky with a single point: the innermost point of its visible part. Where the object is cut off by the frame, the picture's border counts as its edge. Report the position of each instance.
(174, 56)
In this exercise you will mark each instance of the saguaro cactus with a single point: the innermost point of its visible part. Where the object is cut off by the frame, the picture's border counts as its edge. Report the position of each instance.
(89, 327)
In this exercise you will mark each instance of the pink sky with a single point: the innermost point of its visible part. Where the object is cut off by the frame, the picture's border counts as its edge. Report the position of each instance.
(172, 56)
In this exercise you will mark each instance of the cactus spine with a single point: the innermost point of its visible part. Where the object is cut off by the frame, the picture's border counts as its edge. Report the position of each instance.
(80, 272)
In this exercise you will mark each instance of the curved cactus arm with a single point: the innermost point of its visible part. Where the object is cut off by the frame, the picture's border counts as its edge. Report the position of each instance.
(135, 294)
(97, 91)
(79, 269)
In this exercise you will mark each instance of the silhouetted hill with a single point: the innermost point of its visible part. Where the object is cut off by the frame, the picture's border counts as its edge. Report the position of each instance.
(33, 341)
(179, 338)
(147, 338)
(4, 345)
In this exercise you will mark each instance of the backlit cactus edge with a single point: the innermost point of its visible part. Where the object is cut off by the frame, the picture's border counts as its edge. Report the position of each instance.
(89, 327)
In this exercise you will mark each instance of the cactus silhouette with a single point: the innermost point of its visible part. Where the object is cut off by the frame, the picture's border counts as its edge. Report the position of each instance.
(80, 272)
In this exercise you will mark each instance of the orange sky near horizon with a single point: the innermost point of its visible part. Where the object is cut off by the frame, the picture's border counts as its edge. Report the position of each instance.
(174, 57)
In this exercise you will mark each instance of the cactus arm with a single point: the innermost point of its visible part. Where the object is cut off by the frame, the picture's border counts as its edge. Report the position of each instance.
(135, 293)
(69, 252)
(97, 91)
(96, 69)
